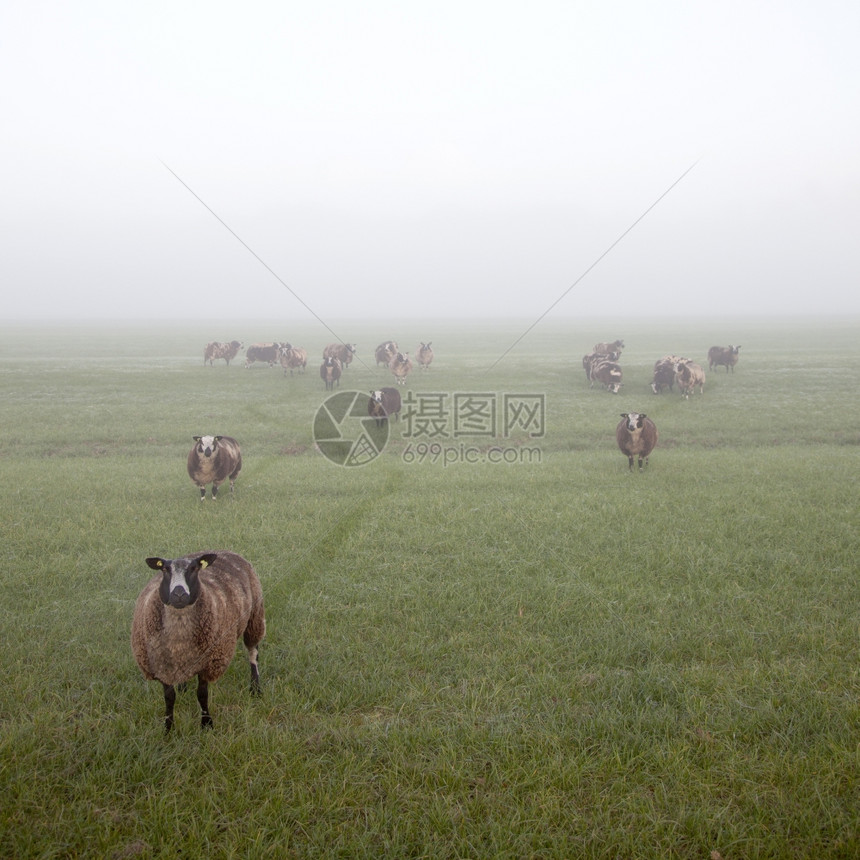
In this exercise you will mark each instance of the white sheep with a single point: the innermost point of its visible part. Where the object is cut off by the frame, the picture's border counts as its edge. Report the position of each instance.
(187, 621)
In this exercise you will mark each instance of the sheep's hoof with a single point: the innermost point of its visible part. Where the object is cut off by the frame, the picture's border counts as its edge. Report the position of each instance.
(206, 721)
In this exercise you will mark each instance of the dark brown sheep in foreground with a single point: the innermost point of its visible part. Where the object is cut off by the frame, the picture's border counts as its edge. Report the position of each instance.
(636, 435)
(188, 619)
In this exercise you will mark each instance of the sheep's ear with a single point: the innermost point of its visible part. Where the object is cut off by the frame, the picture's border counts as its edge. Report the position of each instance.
(217, 438)
(155, 563)
(642, 415)
(206, 560)
(196, 438)
(625, 414)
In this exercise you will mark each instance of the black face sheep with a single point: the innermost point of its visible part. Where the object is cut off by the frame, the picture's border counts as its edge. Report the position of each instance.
(188, 619)
(330, 371)
(212, 460)
(384, 403)
(636, 435)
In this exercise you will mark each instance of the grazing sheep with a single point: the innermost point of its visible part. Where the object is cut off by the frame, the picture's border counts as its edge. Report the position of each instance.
(636, 435)
(293, 357)
(664, 373)
(384, 403)
(330, 371)
(605, 348)
(592, 359)
(268, 352)
(187, 621)
(424, 355)
(385, 352)
(216, 349)
(607, 373)
(688, 375)
(400, 366)
(725, 355)
(343, 352)
(213, 459)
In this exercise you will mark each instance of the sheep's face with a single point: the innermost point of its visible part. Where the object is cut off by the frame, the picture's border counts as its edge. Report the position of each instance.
(206, 445)
(634, 420)
(180, 583)
(376, 396)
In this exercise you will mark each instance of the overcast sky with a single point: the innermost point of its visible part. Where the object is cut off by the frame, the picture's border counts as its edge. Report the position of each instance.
(414, 159)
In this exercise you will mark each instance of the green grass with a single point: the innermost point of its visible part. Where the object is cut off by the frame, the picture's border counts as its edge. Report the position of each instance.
(560, 659)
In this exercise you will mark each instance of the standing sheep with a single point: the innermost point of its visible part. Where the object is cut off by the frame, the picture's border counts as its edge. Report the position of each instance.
(688, 375)
(385, 352)
(424, 355)
(400, 366)
(725, 355)
(384, 403)
(187, 621)
(212, 460)
(343, 352)
(293, 357)
(330, 371)
(216, 349)
(636, 435)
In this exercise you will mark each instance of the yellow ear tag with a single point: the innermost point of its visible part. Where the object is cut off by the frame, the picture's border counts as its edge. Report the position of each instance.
(159, 563)
(204, 563)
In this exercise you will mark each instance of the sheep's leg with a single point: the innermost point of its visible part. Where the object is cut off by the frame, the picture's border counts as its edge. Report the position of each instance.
(255, 670)
(630, 461)
(202, 493)
(203, 699)
(169, 702)
(214, 491)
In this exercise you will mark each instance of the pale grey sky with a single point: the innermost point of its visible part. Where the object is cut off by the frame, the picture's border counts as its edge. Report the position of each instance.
(409, 160)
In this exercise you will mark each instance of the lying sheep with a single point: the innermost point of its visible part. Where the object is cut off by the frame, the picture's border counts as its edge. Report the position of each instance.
(330, 371)
(212, 460)
(384, 403)
(187, 621)
(636, 435)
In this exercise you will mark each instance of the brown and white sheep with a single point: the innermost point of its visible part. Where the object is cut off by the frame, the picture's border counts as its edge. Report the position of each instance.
(330, 371)
(188, 619)
(212, 460)
(688, 375)
(216, 349)
(591, 359)
(383, 404)
(636, 435)
(606, 372)
(725, 355)
(400, 366)
(424, 355)
(385, 352)
(343, 352)
(293, 358)
(268, 352)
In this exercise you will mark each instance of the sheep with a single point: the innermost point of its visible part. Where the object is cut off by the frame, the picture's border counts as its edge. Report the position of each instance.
(216, 349)
(424, 355)
(591, 359)
(213, 459)
(615, 346)
(664, 373)
(725, 355)
(293, 357)
(606, 372)
(188, 619)
(330, 371)
(268, 352)
(400, 366)
(385, 352)
(688, 375)
(636, 435)
(384, 403)
(343, 352)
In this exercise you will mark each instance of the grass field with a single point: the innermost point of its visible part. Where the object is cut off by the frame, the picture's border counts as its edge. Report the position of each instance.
(550, 658)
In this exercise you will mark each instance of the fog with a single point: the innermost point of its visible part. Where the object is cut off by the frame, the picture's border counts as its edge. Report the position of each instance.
(401, 160)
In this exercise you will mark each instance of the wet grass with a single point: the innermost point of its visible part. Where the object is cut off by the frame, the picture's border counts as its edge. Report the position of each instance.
(557, 660)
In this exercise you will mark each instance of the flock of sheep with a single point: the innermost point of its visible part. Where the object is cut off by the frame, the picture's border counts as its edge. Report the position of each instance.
(190, 615)
(336, 357)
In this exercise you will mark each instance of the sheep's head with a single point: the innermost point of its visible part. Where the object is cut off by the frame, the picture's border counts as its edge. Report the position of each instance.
(180, 583)
(634, 420)
(206, 445)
